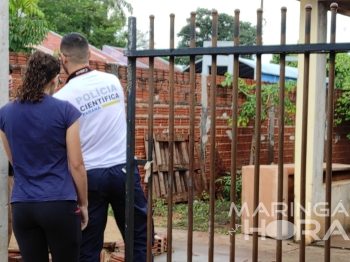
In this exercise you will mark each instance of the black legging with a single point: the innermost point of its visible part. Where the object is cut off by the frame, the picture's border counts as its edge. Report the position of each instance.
(54, 225)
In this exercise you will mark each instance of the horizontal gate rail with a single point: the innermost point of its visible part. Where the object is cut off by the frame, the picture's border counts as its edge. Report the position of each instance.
(320, 48)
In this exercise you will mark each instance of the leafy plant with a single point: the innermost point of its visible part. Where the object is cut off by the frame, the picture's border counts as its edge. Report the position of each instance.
(226, 189)
(160, 209)
(342, 82)
(269, 98)
(200, 214)
(27, 26)
(342, 71)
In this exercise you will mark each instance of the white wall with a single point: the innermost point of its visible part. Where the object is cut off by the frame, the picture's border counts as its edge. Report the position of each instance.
(221, 59)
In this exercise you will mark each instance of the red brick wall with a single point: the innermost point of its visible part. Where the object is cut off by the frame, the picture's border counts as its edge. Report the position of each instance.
(341, 144)
(182, 108)
(223, 113)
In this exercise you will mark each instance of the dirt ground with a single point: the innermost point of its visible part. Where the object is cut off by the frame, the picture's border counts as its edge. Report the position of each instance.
(161, 221)
(112, 234)
(222, 244)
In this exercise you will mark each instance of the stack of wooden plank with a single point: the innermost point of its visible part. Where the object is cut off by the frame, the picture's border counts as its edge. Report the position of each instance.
(112, 252)
(117, 257)
(118, 252)
(109, 246)
(14, 257)
(181, 169)
(103, 255)
(120, 246)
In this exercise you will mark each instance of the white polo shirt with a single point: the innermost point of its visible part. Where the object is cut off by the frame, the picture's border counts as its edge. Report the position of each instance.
(100, 98)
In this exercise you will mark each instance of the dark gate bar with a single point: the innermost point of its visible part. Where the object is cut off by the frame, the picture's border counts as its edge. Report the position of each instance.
(234, 137)
(329, 141)
(257, 138)
(281, 136)
(191, 138)
(304, 134)
(214, 41)
(150, 142)
(130, 151)
(171, 143)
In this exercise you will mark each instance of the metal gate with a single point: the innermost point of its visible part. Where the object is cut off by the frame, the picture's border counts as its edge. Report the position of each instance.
(258, 50)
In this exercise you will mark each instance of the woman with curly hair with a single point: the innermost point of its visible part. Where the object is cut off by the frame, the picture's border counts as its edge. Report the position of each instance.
(41, 139)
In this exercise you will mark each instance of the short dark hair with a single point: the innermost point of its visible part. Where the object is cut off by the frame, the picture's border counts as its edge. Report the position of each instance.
(41, 69)
(75, 46)
(11, 70)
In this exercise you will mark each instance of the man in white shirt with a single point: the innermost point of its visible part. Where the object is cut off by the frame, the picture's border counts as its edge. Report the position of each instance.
(100, 98)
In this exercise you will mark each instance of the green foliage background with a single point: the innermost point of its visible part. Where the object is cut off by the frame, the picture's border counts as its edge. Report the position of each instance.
(204, 28)
(342, 82)
(102, 22)
(27, 26)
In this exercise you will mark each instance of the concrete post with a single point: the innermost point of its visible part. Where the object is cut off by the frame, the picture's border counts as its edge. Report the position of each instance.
(4, 74)
(206, 63)
(205, 121)
(316, 117)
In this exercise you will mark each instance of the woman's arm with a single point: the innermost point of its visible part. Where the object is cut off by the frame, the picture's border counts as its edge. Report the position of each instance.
(6, 146)
(77, 168)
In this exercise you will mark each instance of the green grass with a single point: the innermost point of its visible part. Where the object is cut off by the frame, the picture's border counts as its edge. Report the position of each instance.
(200, 215)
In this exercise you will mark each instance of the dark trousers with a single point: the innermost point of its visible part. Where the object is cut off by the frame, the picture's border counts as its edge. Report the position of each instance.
(41, 226)
(107, 186)
(10, 186)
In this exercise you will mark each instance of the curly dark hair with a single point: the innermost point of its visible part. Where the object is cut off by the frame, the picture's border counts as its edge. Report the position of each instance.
(41, 69)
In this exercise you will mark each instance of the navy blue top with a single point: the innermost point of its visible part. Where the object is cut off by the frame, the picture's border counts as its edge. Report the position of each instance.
(37, 138)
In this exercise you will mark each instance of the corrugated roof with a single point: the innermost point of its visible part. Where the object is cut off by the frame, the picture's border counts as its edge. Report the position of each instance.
(247, 68)
(271, 69)
(52, 43)
(118, 52)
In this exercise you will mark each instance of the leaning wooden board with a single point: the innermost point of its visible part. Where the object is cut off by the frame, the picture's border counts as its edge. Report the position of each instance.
(180, 173)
